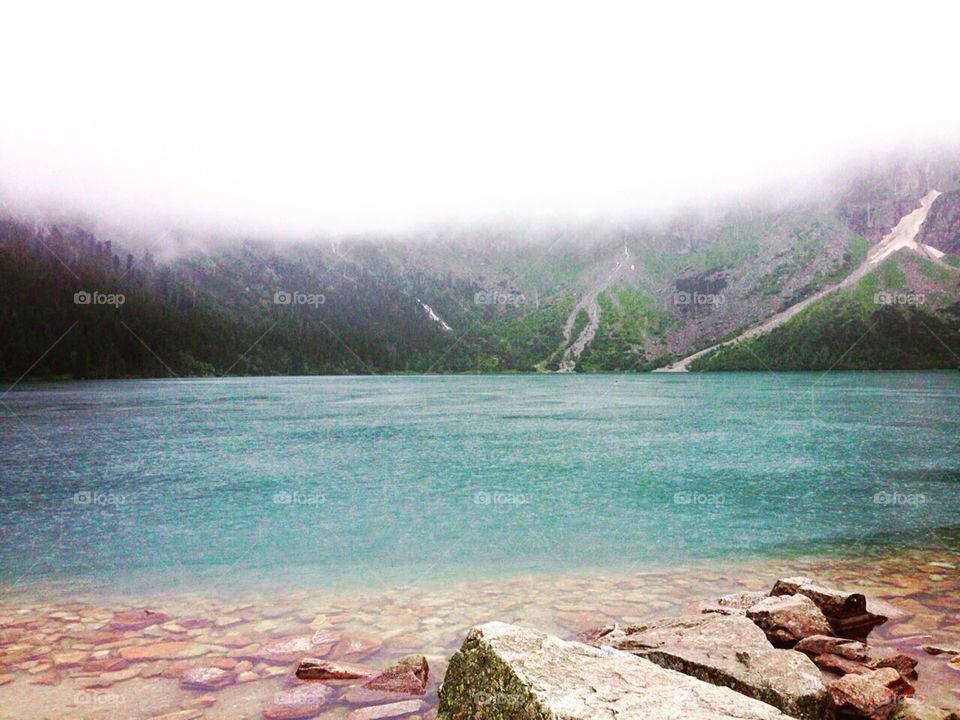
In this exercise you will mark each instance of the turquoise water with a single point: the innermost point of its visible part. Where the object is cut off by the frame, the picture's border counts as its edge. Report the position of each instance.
(259, 481)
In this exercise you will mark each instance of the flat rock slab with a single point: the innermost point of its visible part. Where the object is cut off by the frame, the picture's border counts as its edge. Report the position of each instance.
(175, 649)
(730, 651)
(505, 671)
(207, 678)
(391, 710)
(320, 669)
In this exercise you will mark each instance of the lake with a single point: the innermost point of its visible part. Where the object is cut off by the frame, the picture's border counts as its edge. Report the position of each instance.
(411, 479)
(397, 512)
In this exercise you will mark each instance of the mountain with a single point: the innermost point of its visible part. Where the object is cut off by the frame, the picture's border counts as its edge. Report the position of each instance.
(795, 281)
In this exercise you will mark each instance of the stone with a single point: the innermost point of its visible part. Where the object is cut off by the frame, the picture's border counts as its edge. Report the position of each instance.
(6, 678)
(846, 612)
(247, 676)
(289, 651)
(47, 677)
(941, 650)
(875, 695)
(408, 676)
(174, 649)
(840, 664)
(359, 695)
(392, 710)
(207, 678)
(191, 714)
(298, 704)
(912, 709)
(136, 620)
(730, 651)
(104, 665)
(788, 619)
(734, 604)
(108, 679)
(319, 669)
(356, 645)
(871, 657)
(70, 659)
(505, 671)
(204, 701)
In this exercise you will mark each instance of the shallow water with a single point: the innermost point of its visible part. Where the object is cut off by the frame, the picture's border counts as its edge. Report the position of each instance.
(252, 511)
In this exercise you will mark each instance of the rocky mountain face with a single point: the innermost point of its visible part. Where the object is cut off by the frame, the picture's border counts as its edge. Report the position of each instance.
(942, 228)
(603, 297)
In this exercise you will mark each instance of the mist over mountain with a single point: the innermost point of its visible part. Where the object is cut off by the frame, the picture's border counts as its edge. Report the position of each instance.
(605, 296)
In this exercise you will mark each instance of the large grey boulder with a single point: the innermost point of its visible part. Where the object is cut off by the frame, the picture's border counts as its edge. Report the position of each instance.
(508, 672)
(731, 651)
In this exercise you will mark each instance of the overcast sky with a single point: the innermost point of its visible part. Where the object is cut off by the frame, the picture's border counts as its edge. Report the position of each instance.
(357, 116)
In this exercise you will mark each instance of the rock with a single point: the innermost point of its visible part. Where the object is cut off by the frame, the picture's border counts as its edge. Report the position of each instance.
(856, 651)
(840, 664)
(930, 649)
(204, 701)
(788, 619)
(504, 671)
(247, 676)
(47, 677)
(356, 644)
(136, 620)
(846, 612)
(915, 710)
(319, 669)
(408, 676)
(298, 704)
(104, 665)
(180, 715)
(70, 659)
(735, 604)
(287, 652)
(163, 651)
(108, 679)
(377, 712)
(207, 678)
(6, 678)
(359, 695)
(875, 695)
(174, 670)
(733, 652)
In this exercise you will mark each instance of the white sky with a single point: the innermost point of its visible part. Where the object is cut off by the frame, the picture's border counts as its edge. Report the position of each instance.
(356, 116)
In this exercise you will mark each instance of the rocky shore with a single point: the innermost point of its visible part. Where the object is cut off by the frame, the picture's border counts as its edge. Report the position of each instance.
(799, 651)
(708, 638)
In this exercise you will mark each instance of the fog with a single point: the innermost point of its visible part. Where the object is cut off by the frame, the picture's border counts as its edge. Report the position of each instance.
(387, 117)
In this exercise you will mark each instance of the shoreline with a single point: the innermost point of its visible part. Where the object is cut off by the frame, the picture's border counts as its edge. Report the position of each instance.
(397, 621)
